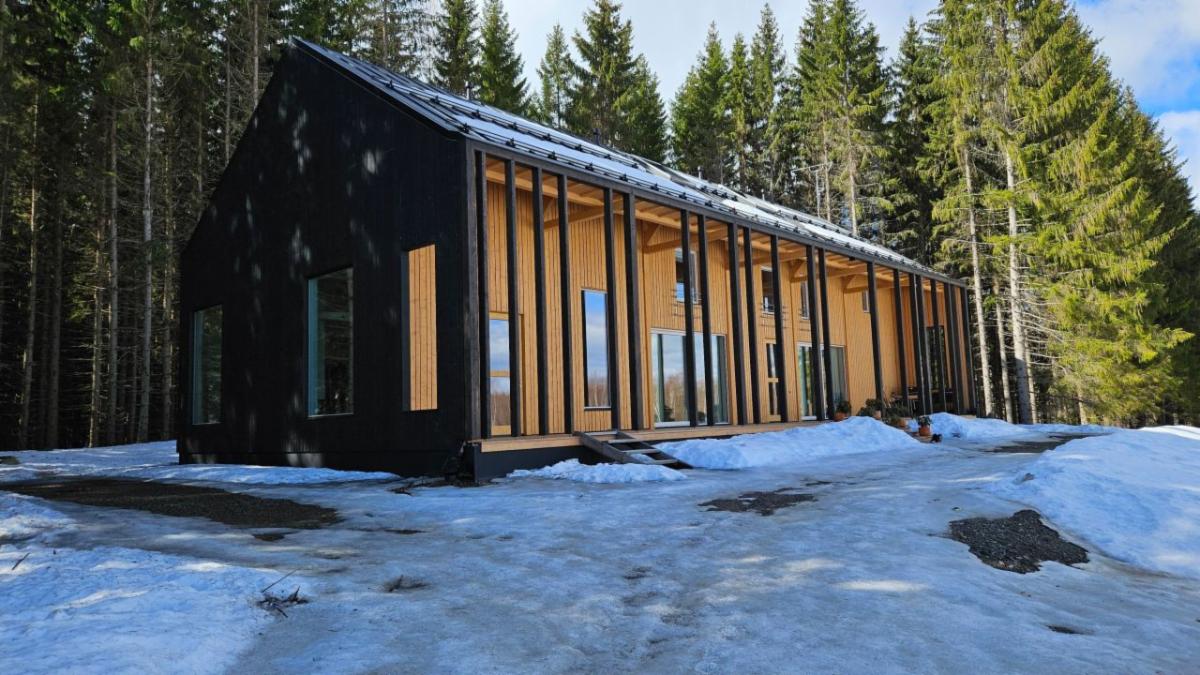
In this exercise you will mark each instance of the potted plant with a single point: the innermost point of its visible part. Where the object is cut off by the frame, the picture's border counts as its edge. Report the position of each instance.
(894, 420)
(874, 408)
(841, 411)
(897, 416)
(924, 426)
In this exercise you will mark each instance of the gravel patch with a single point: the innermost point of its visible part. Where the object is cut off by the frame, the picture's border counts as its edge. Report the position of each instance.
(1019, 543)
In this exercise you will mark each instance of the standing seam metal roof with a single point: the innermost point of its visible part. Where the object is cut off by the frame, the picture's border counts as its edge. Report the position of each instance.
(485, 123)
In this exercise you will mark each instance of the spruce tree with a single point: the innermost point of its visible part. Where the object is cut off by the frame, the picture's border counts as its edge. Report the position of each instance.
(457, 48)
(699, 125)
(738, 105)
(555, 73)
(909, 163)
(645, 131)
(764, 172)
(501, 82)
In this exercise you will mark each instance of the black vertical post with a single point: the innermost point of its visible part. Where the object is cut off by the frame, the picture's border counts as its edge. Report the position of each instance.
(610, 308)
(752, 324)
(918, 322)
(539, 286)
(941, 346)
(827, 352)
(564, 283)
(955, 349)
(633, 289)
(966, 315)
(689, 348)
(515, 362)
(780, 347)
(926, 361)
(873, 302)
(814, 332)
(706, 320)
(485, 346)
(898, 306)
(735, 293)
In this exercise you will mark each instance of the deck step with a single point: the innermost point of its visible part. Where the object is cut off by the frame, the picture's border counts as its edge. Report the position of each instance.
(615, 446)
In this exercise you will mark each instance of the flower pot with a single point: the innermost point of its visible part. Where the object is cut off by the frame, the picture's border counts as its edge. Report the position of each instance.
(901, 425)
(924, 431)
(877, 415)
(839, 416)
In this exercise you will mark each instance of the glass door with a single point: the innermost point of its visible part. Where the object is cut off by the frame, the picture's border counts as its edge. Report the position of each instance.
(669, 377)
(837, 362)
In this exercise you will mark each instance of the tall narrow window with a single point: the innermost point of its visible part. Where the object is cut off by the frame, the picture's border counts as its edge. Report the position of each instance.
(595, 349)
(720, 411)
(500, 380)
(772, 381)
(331, 343)
(768, 290)
(837, 363)
(206, 366)
(803, 299)
(866, 302)
(681, 274)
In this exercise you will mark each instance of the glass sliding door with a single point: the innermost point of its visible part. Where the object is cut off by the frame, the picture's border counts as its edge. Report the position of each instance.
(837, 362)
(669, 379)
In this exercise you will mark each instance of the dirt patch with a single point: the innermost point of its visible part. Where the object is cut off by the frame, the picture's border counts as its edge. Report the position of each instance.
(9, 460)
(1067, 630)
(187, 501)
(1019, 543)
(763, 503)
(270, 536)
(1038, 446)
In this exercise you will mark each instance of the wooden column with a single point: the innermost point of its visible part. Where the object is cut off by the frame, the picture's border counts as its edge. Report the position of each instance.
(485, 340)
(567, 299)
(515, 362)
(610, 309)
(689, 348)
(735, 312)
(780, 348)
(941, 348)
(633, 291)
(826, 353)
(955, 349)
(706, 319)
(969, 341)
(814, 352)
(539, 290)
(898, 305)
(752, 325)
(872, 300)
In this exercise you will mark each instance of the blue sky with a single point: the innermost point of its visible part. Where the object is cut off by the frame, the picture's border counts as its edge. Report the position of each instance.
(1154, 45)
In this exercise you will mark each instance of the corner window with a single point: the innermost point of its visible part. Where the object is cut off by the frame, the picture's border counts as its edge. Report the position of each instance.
(681, 273)
(206, 366)
(595, 349)
(330, 313)
(768, 290)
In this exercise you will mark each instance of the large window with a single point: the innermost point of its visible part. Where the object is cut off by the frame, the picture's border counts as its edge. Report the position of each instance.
(206, 366)
(595, 349)
(501, 376)
(331, 343)
(669, 378)
(681, 274)
(935, 345)
(768, 290)
(837, 363)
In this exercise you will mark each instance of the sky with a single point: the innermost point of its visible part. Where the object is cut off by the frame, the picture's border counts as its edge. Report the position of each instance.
(1154, 45)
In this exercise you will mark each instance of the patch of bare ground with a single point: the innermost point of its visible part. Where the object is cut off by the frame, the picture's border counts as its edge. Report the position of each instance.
(763, 503)
(1018, 543)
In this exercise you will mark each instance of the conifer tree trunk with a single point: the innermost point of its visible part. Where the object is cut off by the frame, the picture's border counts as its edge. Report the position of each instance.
(1020, 347)
(4, 181)
(1005, 386)
(254, 50)
(114, 289)
(985, 368)
(31, 325)
(853, 199)
(168, 302)
(93, 437)
(54, 361)
(143, 407)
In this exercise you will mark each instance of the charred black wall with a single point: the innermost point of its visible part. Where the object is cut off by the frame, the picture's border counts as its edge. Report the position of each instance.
(328, 174)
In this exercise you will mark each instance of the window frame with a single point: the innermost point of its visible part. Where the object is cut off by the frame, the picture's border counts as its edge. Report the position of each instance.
(678, 292)
(587, 405)
(767, 303)
(197, 357)
(311, 302)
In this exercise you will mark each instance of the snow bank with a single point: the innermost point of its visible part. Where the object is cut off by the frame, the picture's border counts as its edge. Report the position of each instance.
(791, 446)
(158, 461)
(572, 469)
(24, 517)
(107, 610)
(1133, 494)
(980, 428)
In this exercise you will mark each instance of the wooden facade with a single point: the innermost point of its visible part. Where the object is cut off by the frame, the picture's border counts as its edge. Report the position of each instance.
(488, 281)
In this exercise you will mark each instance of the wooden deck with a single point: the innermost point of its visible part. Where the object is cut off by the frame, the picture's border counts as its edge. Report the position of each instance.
(511, 443)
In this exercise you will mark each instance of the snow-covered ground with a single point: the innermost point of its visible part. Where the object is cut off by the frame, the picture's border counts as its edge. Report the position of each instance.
(536, 575)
